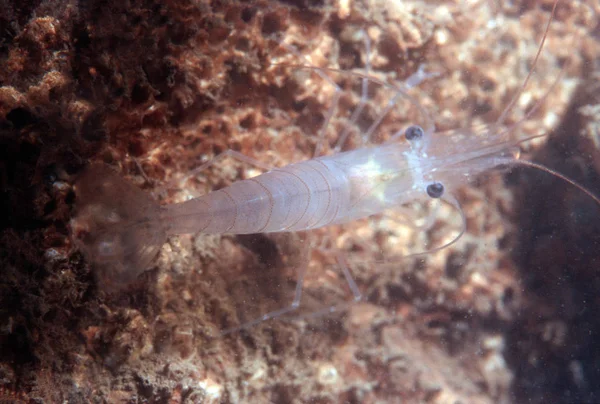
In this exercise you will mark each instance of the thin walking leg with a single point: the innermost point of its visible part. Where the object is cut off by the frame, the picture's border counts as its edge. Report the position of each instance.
(363, 96)
(412, 81)
(321, 137)
(218, 158)
(356, 293)
(407, 213)
(279, 312)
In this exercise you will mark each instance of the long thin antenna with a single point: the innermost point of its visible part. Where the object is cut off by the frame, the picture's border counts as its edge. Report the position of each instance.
(429, 125)
(558, 175)
(451, 200)
(537, 56)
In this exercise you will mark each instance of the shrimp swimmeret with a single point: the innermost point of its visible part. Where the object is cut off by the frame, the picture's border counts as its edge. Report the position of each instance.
(129, 226)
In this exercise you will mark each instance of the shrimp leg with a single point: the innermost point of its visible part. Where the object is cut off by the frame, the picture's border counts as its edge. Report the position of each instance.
(405, 213)
(344, 269)
(364, 96)
(287, 309)
(337, 95)
(275, 313)
(412, 81)
(334, 103)
(357, 295)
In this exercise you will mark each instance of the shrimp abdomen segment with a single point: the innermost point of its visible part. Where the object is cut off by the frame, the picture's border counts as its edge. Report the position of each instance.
(300, 196)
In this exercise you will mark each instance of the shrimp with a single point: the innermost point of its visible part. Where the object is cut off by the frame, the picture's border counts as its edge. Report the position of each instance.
(125, 228)
(308, 195)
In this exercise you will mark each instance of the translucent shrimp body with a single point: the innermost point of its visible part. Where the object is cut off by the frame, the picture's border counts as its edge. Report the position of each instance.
(315, 193)
(301, 196)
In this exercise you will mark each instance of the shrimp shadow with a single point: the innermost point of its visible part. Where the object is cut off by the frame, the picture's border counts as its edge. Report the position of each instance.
(261, 281)
(557, 248)
(266, 281)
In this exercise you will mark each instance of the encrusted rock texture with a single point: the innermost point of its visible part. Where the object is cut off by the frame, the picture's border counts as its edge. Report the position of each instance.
(153, 89)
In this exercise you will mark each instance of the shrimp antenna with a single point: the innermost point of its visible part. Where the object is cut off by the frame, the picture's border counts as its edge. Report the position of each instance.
(528, 115)
(536, 106)
(429, 126)
(580, 187)
(514, 99)
(450, 199)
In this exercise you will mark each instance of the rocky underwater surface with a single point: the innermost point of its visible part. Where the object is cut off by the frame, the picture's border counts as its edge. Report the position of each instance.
(155, 88)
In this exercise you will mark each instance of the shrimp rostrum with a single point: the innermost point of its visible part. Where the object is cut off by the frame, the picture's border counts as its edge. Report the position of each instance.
(417, 164)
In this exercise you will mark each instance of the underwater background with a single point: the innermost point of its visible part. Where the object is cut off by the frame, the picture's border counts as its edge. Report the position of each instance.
(154, 88)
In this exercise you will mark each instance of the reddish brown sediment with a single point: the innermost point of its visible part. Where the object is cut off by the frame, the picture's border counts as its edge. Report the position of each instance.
(152, 88)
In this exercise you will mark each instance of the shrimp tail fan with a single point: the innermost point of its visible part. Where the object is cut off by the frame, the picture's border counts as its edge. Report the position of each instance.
(116, 225)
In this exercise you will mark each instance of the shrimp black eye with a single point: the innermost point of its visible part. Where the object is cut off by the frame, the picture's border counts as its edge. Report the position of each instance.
(435, 190)
(413, 133)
